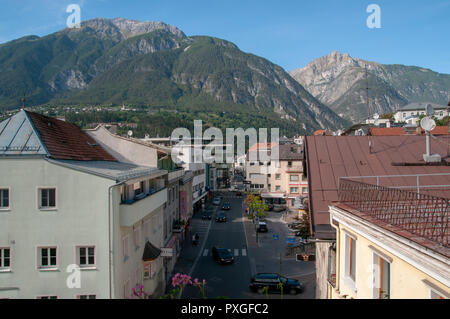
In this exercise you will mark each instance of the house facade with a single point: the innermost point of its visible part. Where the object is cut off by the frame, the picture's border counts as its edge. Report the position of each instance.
(74, 220)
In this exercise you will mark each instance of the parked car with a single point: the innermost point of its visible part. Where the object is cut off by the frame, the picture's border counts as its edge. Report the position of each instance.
(262, 227)
(216, 201)
(272, 281)
(222, 255)
(207, 214)
(221, 217)
(226, 206)
(239, 194)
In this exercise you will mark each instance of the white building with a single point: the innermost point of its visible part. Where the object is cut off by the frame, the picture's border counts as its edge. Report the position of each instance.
(66, 201)
(410, 113)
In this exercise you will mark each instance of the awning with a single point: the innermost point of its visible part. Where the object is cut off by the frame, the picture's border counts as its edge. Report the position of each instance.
(150, 252)
(273, 195)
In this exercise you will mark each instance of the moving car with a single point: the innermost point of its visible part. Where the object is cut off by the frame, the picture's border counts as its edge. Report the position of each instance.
(222, 255)
(262, 227)
(221, 217)
(207, 214)
(216, 200)
(226, 206)
(274, 282)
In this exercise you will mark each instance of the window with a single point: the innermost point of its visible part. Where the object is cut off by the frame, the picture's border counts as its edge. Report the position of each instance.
(350, 257)
(47, 198)
(278, 188)
(87, 297)
(305, 190)
(47, 256)
(5, 258)
(4, 198)
(294, 190)
(289, 164)
(278, 176)
(382, 277)
(294, 178)
(47, 297)
(86, 256)
(138, 188)
(252, 163)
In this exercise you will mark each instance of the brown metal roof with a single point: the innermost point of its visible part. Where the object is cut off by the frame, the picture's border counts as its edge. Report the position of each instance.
(331, 157)
(290, 152)
(66, 141)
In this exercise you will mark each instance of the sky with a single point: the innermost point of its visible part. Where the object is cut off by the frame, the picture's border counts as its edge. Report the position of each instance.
(290, 33)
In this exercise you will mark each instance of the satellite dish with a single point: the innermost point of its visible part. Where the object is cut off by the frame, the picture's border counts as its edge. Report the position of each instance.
(428, 124)
(376, 116)
(130, 133)
(429, 110)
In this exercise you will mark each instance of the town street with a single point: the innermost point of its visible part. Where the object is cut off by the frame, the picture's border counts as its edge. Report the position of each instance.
(251, 257)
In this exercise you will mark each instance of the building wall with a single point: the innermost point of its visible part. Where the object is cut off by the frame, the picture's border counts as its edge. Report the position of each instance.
(401, 116)
(81, 218)
(322, 251)
(124, 150)
(406, 280)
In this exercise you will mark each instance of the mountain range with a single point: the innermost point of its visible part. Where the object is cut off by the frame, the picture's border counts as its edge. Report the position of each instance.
(152, 64)
(156, 66)
(339, 81)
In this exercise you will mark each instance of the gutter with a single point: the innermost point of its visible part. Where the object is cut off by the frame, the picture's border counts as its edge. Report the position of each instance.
(110, 254)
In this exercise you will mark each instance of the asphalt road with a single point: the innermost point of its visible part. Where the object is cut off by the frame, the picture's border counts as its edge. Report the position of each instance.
(238, 235)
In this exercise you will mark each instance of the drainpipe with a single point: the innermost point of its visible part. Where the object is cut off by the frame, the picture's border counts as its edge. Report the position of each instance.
(110, 257)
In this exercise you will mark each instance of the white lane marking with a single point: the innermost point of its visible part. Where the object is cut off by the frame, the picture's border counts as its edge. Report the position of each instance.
(236, 252)
(205, 252)
(244, 252)
(229, 250)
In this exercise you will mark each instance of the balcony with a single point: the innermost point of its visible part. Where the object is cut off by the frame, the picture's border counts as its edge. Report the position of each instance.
(294, 169)
(133, 211)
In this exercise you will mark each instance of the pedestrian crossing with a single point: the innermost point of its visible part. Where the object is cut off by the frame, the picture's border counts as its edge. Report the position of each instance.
(236, 252)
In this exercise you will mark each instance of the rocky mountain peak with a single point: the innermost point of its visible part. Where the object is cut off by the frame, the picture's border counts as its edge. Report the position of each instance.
(122, 29)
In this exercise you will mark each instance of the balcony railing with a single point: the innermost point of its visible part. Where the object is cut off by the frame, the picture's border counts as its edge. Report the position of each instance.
(132, 213)
(423, 215)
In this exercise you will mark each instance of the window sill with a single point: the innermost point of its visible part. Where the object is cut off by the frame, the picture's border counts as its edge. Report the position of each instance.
(88, 268)
(5, 209)
(49, 269)
(6, 270)
(43, 209)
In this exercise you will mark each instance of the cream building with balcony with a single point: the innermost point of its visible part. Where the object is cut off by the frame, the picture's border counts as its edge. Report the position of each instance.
(66, 202)
(389, 246)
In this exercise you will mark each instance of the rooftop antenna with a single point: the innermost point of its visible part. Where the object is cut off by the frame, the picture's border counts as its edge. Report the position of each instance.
(368, 110)
(428, 124)
(23, 102)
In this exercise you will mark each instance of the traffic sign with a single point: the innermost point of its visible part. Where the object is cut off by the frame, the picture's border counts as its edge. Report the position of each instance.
(290, 240)
(275, 237)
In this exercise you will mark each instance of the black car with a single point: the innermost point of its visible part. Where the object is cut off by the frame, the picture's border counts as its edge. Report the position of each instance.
(222, 255)
(226, 206)
(239, 194)
(274, 282)
(221, 217)
(207, 214)
(262, 227)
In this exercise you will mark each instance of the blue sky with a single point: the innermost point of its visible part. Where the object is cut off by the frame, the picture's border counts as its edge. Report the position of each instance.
(288, 33)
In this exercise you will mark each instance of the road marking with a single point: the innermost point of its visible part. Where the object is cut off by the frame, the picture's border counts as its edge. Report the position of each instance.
(236, 252)
(205, 252)
(229, 250)
(244, 252)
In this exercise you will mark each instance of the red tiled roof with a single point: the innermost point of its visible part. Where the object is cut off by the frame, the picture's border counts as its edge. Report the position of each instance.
(387, 131)
(262, 146)
(67, 141)
(331, 157)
